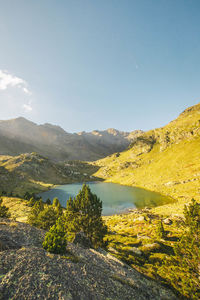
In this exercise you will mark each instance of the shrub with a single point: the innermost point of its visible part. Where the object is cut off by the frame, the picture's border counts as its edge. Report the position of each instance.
(4, 211)
(83, 213)
(55, 240)
(35, 210)
(47, 218)
(182, 269)
(160, 230)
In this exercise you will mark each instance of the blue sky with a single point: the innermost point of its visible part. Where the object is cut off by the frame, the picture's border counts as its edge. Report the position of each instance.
(92, 64)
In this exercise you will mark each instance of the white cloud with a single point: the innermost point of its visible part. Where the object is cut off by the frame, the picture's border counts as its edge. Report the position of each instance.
(28, 106)
(8, 80)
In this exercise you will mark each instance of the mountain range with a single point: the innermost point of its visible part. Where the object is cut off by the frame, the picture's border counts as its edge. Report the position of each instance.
(23, 136)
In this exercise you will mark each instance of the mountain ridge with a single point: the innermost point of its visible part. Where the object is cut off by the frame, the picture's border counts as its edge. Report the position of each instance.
(59, 145)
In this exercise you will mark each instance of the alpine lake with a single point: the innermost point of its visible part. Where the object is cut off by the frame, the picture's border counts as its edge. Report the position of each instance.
(115, 198)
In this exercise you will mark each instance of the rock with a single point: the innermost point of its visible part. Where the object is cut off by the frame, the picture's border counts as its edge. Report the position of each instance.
(167, 221)
(111, 249)
(136, 251)
(154, 247)
(82, 240)
(141, 218)
(32, 273)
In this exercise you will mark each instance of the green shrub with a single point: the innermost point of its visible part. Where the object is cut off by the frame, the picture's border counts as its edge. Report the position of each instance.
(55, 240)
(83, 213)
(160, 230)
(182, 269)
(4, 211)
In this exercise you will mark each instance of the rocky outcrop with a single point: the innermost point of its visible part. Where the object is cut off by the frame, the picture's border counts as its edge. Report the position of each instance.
(30, 272)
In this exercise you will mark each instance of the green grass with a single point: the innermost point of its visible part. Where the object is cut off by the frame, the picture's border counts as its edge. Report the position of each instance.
(171, 168)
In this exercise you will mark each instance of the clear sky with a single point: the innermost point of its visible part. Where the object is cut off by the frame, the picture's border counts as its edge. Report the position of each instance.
(96, 64)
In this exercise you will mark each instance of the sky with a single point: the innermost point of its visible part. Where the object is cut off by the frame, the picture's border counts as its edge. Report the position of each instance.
(98, 64)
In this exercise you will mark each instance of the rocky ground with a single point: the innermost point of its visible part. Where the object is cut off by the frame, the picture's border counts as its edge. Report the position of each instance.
(29, 272)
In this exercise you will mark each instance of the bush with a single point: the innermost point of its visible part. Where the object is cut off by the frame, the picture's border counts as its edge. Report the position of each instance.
(55, 240)
(4, 211)
(182, 269)
(47, 218)
(35, 210)
(160, 230)
(44, 217)
(83, 213)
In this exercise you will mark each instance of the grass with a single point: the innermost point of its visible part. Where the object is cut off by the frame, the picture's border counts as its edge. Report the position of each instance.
(171, 168)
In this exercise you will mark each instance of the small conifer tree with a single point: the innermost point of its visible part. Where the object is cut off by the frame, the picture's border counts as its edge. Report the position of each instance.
(4, 211)
(55, 240)
(160, 230)
(83, 213)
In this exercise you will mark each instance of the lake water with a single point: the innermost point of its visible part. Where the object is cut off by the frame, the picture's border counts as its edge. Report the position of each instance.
(116, 198)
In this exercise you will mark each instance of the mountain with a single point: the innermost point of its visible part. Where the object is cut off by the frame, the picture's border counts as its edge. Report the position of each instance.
(21, 136)
(165, 160)
(27, 269)
(33, 172)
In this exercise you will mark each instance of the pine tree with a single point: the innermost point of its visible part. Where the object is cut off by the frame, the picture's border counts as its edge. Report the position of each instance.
(160, 230)
(57, 206)
(55, 240)
(4, 211)
(35, 210)
(183, 268)
(83, 213)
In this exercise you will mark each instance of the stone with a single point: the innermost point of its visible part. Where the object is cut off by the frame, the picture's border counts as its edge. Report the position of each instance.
(167, 221)
(136, 251)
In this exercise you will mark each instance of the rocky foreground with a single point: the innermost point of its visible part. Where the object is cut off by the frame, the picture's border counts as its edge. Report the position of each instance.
(29, 272)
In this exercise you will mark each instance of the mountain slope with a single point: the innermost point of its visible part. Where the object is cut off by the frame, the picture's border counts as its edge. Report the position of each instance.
(33, 172)
(20, 136)
(27, 269)
(164, 160)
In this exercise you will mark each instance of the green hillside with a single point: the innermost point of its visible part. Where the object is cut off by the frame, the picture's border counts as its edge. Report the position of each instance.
(34, 173)
(166, 160)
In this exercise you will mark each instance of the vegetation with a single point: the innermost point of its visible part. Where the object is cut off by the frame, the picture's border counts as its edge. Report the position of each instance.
(83, 213)
(183, 269)
(173, 260)
(164, 160)
(55, 240)
(30, 173)
(160, 230)
(4, 211)
(45, 216)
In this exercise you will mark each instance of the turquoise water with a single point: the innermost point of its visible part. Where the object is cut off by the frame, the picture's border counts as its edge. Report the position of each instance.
(116, 198)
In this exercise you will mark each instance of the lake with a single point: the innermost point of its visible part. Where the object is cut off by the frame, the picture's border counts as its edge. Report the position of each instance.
(116, 198)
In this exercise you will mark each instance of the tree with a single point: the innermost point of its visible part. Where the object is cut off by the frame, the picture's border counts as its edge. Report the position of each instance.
(4, 211)
(160, 230)
(48, 201)
(47, 218)
(35, 210)
(83, 213)
(57, 206)
(182, 269)
(31, 202)
(55, 240)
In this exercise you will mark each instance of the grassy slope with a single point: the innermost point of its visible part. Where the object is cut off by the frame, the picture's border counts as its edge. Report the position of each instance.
(32, 172)
(165, 160)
